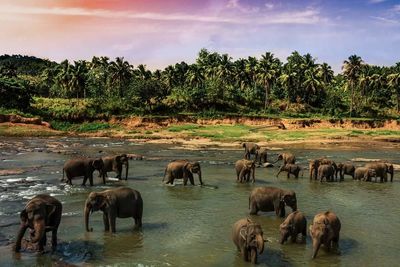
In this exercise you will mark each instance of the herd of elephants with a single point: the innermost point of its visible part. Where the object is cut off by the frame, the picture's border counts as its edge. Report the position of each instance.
(43, 212)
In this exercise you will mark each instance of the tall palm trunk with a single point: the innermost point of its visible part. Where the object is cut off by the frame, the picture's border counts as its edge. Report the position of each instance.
(266, 95)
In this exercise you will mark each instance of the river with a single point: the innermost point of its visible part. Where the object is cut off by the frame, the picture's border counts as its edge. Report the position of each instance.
(190, 226)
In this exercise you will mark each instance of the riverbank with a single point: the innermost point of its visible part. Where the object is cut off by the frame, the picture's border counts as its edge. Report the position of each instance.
(227, 131)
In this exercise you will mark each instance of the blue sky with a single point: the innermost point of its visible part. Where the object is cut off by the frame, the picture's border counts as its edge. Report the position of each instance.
(162, 32)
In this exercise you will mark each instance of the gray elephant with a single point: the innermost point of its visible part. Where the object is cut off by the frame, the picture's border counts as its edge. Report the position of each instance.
(262, 155)
(325, 230)
(345, 168)
(115, 163)
(182, 169)
(250, 149)
(83, 167)
(271, 199)
(244, 169)
(365, 174)
(121, 202)
(41, 214)
(325, 161)
(286, 158)
(313, 167)
(290, 169)
(382, 169)
(294, 224)
(248, 238)
(327, 172)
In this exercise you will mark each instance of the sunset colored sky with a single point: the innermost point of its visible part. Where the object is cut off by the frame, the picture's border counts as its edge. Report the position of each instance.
(162, 32)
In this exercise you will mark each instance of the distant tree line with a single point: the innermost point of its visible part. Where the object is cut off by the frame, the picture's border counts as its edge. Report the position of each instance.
(215, 82)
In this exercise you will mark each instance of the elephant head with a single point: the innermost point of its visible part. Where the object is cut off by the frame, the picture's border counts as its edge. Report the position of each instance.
(314, 165)
(369, 174)
(390, 170)
(280, 157)
(98, 164)
(35, 216)
(248, 167)
(286, 230)
(288, 198)
(193, 167)
(123, 160)
(252, 235)
(319, 232)
(94, 202)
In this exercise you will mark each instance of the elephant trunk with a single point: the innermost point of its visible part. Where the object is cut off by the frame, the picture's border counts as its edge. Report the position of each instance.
(391, 176)
(20, 234)
(260, 244)
(201, 181)
(39, 226)
(316, 245)
(284, 235)
(127, 168)
(87, 210)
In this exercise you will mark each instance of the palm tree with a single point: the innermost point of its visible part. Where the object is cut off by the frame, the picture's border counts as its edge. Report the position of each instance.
(267, 73)
(394, 82)
(195, 76)
(351, 70)
(311, 84)
(121, 73)
(78, 73)
(326, 73)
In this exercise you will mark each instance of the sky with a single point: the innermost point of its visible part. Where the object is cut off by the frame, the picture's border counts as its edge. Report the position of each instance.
(158, 33)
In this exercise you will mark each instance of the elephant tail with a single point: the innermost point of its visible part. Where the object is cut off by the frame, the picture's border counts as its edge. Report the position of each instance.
(62, 179)
(165, 173)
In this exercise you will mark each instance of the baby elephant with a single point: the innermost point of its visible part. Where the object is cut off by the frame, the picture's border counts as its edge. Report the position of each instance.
(294, 224)
(290, 169)
(182, 169)
(325, 231)
(365, 174)
(41, 214)
(121, 202)
(248, 238)
(244, 169)
(327, 172)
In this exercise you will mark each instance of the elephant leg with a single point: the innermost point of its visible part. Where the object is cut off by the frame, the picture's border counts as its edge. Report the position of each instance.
(106, 222)
(335, 241)
(112, 219)
(54, 239)
(91, 179)
(42, 242)
(245, 253)
(191, 179)
(288, 174)
(84, 180)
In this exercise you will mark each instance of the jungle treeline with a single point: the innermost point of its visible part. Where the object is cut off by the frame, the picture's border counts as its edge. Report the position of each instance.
(214, 84)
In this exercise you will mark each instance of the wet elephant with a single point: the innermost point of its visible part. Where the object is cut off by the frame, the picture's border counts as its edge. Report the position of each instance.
(294, 224)
(382, 169)
(365, 174)
(286, 158)
(271, 199)
(313, 167)
(83, 167)
(250, 149)
(325, 161)
(182, 169)
(325, 230)
(41, 214)
(115, 163)
(248, 238)
(262, 155)
(121, 202)
(244, 169)
(345, 168)
(326, 171)
(290, 169)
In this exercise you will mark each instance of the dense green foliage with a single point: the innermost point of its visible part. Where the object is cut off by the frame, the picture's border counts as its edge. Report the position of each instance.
(14, 94)
(214, 84)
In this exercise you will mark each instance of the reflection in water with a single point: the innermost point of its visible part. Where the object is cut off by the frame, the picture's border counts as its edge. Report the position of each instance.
(191, 226)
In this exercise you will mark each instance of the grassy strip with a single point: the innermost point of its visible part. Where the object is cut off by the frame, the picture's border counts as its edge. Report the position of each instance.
(81, 127)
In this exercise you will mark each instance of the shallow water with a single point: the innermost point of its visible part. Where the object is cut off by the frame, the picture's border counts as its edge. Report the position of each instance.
(190, 226)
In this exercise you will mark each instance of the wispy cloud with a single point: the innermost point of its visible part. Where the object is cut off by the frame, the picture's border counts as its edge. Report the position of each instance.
(309, 16)
(376, 1)
(386, 20)
(396, 8)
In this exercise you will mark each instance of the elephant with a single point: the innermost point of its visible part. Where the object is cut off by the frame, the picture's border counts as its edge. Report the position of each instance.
(365, 174)
(345, 168)
(83, 167)
(271, 199)
(121, 202)
(313, 166)
(287, 158)
(262, 155)
(325, 161)
(245, 168)
(248, 238)
(325, 230)
(250, 149)
(382, 169)
(327, 172)
(294, 224)
(290, 169)
(115, 163)
(179, 169)
(41, 214)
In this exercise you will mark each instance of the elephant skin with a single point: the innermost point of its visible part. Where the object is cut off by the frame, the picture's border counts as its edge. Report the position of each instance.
(115, 163)
(41, 214)
(327, 172)
(83, 167)
(262, 156)
(290, 169)
(248, 238)
(121, 202)
(325, 161)
(345, 168)
(382, 169)
(313, 167)
(365, 174)
(271, 199)
(244, 169)
(325, 231)
(294, 224)
(182, 169)
(287, 158)
(250, 149)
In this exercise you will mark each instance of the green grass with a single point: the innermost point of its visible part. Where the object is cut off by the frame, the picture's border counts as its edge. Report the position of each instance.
(80, 127)
(184, 127)
(23, 131)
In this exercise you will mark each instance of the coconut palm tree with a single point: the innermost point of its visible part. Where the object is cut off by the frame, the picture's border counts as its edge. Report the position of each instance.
(394, 82)
(267, 73)
(326, 73)
(121, 74)
(351, 70)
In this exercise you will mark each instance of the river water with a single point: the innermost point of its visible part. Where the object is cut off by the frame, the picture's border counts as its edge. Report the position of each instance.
(190, 226)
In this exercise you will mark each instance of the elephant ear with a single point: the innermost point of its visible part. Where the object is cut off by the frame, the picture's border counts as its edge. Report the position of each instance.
(118, 158)
(50, 209)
